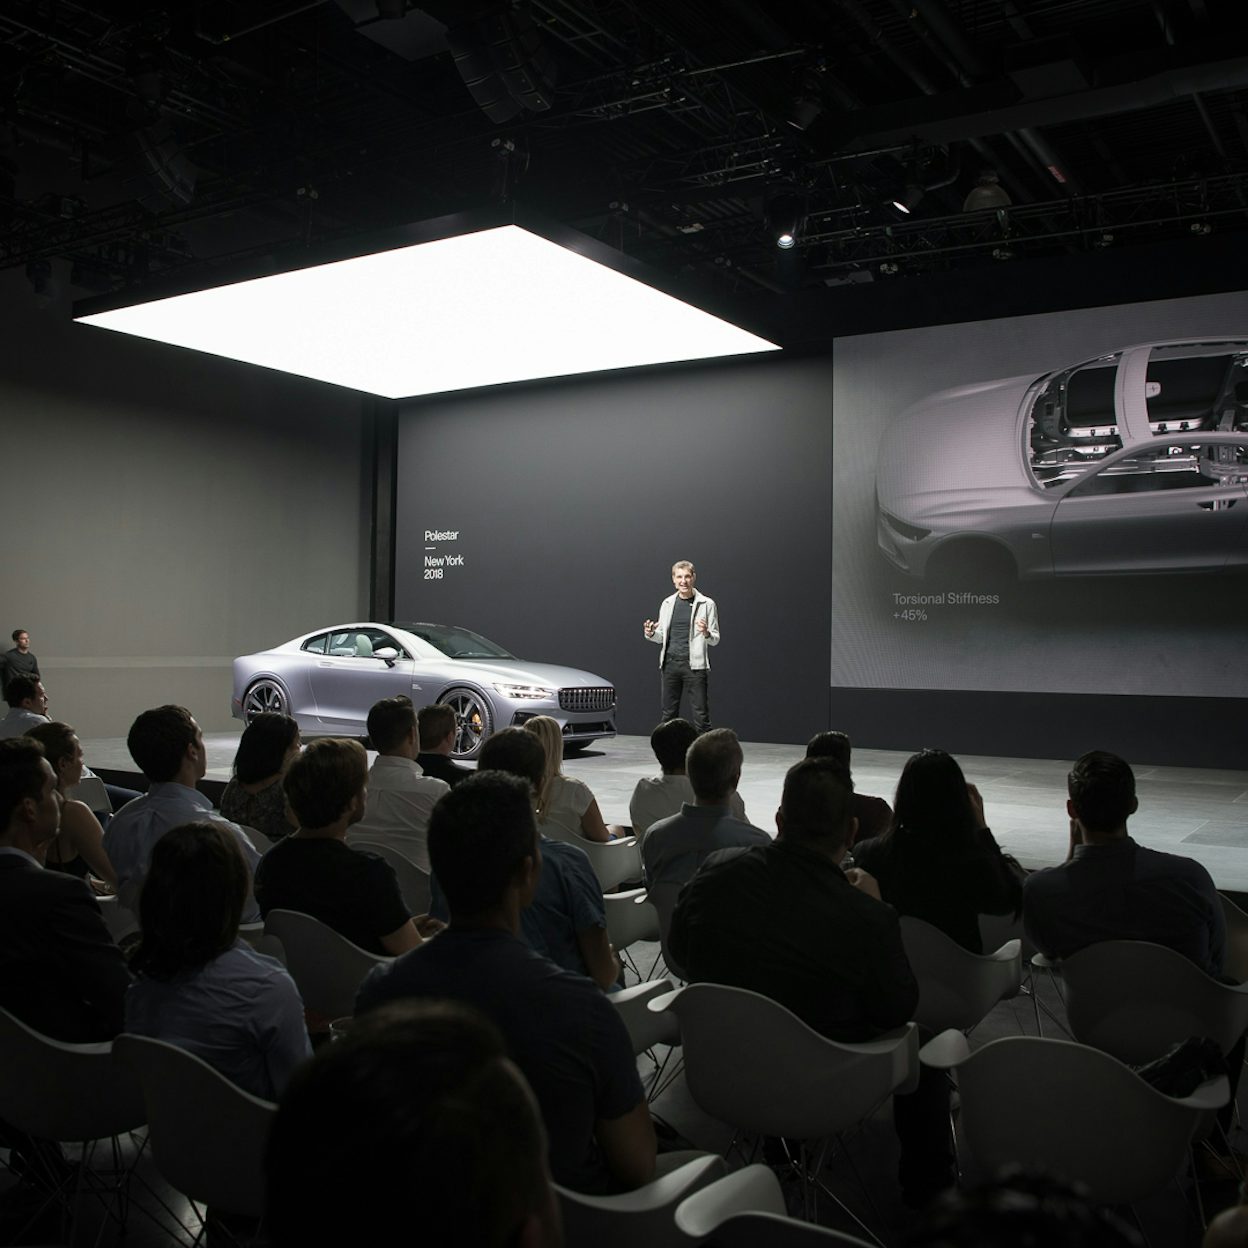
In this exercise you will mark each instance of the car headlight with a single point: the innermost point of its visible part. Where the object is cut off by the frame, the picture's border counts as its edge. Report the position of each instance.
(526, 691)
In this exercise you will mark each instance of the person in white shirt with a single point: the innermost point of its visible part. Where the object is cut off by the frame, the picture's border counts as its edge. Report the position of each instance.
(661, 797)
(28, 706)
(400, 797)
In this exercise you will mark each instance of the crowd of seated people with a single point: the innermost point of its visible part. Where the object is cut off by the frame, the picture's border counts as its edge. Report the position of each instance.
(524, 952)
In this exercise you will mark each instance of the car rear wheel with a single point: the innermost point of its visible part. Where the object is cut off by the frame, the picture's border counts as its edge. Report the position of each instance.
(265, 696)
(474, 721)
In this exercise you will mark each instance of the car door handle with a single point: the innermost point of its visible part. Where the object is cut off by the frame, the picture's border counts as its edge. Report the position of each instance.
(1218, 504)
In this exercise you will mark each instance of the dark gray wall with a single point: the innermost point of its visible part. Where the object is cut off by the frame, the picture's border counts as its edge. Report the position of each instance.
(164, 511)
(573, 499)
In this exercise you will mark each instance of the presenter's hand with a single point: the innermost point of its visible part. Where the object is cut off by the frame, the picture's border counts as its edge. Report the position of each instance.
(864, 882)
(649, 626)
(703, 627)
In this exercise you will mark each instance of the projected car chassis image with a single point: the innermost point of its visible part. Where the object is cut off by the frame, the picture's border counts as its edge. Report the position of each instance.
(1133, 462)
(328, 679)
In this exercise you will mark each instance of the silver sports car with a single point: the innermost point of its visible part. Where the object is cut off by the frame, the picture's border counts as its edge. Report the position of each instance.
(328, 680)
(1136, 461)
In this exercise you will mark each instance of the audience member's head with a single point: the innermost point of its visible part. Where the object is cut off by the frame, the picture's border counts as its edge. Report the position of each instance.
(17, 634)
(516, 752)
(436, 723)
(269, 744)
(482, 839)
(548, 732)
(833, 745)
(62, 749)
(814, 806)
(192, 899)
(415, 1118)
(932, 797)
(29, 807)
(1229, 1229)
(27, 692)
(163, 739)
(1102, 792)
(670, 742)
(1024, 1209)
(713, 764)
(391, 724)
(328, 783)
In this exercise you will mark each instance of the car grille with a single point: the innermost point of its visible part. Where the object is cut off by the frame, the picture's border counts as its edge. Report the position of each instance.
(597, 698)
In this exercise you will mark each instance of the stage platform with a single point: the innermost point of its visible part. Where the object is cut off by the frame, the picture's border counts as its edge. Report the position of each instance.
(1202, 813)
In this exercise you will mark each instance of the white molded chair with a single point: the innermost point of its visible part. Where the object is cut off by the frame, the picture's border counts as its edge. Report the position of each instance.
(413, 882)
(746, 1209)
(957, 988)
(207, 1135)
(614, 863)
(631, 918)
(326, 967)
(261, 842)
(647, 1027)
(1135, 1000)
(1235, 964)
(70, 1093)
(644, 1218)
(1072, 1111)
(120, 920)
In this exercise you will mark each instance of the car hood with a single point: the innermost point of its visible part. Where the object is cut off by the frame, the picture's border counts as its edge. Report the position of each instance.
(945, 450)
(522, 672)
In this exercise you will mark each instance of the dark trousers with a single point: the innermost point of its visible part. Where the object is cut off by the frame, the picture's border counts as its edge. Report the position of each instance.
(677, 678)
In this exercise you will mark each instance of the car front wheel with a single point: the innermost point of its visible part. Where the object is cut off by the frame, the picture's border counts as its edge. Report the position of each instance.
(474, 721)
(265, 697)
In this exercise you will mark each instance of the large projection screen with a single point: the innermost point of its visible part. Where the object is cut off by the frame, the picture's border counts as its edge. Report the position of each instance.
(940, 423)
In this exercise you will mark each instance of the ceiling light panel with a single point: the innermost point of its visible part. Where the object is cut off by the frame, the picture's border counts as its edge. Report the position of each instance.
(479, 309)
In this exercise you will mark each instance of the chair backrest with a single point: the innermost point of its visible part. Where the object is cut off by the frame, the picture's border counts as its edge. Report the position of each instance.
(646, 1027)
(58, 1091)
(207, 1135)
(120, 920)
(957, 988)
(755, 1065)
(746, 1209)
(614, 863)
(258, 839)
(1135, 1000)
(1235, 964)
(91, 791)
(645, 1216)
(630, 917)
(326, 967)
(1072, 1111)
(413, 882)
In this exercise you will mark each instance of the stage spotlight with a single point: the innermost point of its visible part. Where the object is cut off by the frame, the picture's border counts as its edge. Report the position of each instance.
(783, 216)
(909, 199)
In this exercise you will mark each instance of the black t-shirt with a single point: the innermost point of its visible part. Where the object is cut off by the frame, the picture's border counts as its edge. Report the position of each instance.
(351, 890)
(441, 768)
(563, 1033)
(678, 631)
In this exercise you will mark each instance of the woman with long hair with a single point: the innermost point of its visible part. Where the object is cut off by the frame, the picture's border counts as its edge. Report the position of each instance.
(254, 796)
(199, 986)
(566, 807)
(938, 860)
(79, 845)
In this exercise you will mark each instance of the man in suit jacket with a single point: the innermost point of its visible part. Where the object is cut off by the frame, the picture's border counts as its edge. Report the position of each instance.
(60, 971)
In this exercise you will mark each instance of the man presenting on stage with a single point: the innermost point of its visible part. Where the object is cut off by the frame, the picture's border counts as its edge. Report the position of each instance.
(688, 623)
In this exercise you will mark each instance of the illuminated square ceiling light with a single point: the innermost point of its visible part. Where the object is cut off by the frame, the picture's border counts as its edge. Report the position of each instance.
(477, 309)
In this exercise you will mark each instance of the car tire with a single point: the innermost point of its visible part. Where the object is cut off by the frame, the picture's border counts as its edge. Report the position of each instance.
(265, 696)
(972, 564)
(474, 718)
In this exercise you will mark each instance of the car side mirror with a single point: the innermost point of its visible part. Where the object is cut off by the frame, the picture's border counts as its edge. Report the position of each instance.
(389, 653)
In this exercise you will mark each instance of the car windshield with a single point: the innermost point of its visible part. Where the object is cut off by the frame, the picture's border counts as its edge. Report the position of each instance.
(1073, 421)
(456, 643)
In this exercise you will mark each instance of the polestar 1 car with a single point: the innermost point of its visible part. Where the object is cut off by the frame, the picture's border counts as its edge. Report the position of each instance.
(1133, 462)
(328, 680)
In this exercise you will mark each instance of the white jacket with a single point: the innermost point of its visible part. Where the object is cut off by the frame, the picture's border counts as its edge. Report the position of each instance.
(704, 608)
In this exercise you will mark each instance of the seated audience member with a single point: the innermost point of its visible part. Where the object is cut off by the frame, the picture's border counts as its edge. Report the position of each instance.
(938, 861)
(565, 1036)
(438, 726)
(1229, 1229)
(566, 808)
(60, 971)
(675, 848)
(1111, 888)
(254, 796)
(417, 1112)
(168, 747)
(567, 921)
(19, 661)
(874, 814)
(78, 848)
(28, 706)
(199, 986)
(784, 920)
(660, 797)
(316, 872)
(400, 796)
